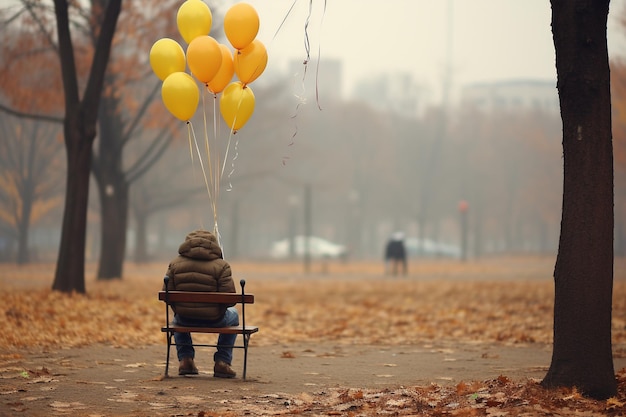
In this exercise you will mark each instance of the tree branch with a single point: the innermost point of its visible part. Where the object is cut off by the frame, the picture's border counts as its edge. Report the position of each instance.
(145, 162)
(100, 59)
(29, 6)
(31, 116)
(144, 107)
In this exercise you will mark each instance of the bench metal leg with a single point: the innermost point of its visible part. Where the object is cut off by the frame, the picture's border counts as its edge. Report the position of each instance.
(246, 338)
(169, 345)
(246, 344)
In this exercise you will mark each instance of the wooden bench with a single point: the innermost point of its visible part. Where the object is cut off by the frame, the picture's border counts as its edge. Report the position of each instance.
(173, 297)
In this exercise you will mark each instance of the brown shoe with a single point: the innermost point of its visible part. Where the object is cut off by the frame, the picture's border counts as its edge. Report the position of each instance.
(187, 367)
(223, 370)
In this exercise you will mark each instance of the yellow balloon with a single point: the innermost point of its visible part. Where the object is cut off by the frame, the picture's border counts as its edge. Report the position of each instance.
(180, 95)
(194, 18)
(225, 72)
(166, 57)
(241, 25)
(204, 58)
(250, 62)
(236, 105)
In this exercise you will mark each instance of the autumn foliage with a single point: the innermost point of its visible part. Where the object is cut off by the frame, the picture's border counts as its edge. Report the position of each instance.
(498, 302)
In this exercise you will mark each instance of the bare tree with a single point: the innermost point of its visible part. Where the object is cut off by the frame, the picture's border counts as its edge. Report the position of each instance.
(129, 113)
(126, 99)
(30, 179)
(81, 116)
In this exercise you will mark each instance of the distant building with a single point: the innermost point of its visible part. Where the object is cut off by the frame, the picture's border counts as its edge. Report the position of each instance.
(326, 81)
(512, 95)
(396, 93)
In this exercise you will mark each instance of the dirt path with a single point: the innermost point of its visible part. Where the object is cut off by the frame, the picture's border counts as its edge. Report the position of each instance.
(105, 381)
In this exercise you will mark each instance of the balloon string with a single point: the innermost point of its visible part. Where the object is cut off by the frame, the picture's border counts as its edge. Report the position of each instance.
(230, 136)
(218, 177)
(228, 146)
(307, 48)
(193, 165)
(213, 180)
(213, 158)
(307, 44)
(190, 140)
(284, 19)
(207, 145)
(217, 234)
(189, 134)
(195, 141)
(301, 100)
(319, 59)
(236, 145)
(230, 185)
(232, 165)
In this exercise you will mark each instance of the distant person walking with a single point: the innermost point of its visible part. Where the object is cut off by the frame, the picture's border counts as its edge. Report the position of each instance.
(395, 255)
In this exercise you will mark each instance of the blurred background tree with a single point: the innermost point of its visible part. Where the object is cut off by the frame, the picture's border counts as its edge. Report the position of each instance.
(364, 160)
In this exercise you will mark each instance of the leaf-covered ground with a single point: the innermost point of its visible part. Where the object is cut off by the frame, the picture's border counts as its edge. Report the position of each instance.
(499, 301)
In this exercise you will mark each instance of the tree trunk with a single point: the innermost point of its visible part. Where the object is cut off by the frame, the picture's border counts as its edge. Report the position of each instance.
(112, 185)
(141, 238)
(28, 197)
(23, 254)
(113, 188)
(583, 273)
(114, 210)
(70, 271)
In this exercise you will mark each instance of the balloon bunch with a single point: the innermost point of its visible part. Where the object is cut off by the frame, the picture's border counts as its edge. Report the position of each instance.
(211, 63)
(214, 66)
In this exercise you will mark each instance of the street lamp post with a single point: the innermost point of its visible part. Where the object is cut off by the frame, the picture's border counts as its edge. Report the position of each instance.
(293, 204)
(463, 207)
(354, 237)
(307, 228)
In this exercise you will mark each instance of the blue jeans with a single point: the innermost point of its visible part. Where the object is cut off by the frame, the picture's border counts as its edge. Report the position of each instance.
(184, 344)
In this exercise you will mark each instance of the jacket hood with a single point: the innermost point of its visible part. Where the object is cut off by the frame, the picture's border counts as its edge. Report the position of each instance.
(200, 244)
(201, 234)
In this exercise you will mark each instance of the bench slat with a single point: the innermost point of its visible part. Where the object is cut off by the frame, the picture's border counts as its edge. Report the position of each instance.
(226, 330)
(206, 297)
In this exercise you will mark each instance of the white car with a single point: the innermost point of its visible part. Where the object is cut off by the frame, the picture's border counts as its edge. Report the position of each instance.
(318, 248)
(430, 248)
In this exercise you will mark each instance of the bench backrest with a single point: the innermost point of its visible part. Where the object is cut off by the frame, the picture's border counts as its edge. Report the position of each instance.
(205, 297)
(171, 297)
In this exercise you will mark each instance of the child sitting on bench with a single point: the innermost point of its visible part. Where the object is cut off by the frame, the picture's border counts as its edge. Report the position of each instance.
(201, 267)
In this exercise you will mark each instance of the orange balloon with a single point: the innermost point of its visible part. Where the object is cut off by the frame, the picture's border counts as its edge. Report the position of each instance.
(204, 58)
(241, 25)
(224, 73)
(250, 62)
(237, 105)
